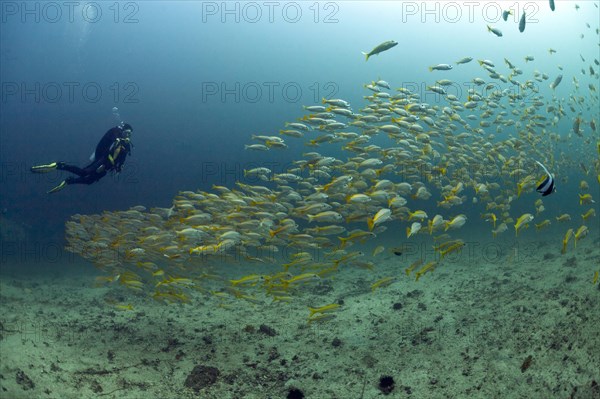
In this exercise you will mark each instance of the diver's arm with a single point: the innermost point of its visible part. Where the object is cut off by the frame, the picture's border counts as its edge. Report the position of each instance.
(103, 147)
(120, 154)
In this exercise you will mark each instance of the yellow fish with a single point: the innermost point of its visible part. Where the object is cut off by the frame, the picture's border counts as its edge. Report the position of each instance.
(540, 226)
(454, 247)
(323, 309)
(588, 214)
(428, 267)
(523, 220)
(379, 249)
(124, 307)
(252, 279)
(417, 215)
(585, 199)
(382, 283)
(381, 216)
(414, 265)
(566, 240)
(306, 277)
(580, 233)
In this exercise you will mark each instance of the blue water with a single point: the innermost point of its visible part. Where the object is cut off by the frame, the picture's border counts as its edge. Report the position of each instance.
(196, 80)
(186, 75)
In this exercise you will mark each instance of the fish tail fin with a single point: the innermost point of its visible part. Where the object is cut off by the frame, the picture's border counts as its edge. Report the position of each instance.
(430, 69)
(371, 223)
(366, 56)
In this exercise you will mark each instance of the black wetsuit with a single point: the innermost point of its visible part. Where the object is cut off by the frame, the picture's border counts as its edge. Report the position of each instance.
(110, 154)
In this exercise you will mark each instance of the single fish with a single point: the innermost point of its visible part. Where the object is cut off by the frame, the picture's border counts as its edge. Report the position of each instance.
(576, 125)
(495, 31)
(381, 48)
(440, 67)
(522, 221)
(556, 82)
(547, 186)
(522, 22)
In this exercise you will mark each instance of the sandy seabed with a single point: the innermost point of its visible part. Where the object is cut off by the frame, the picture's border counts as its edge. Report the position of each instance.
(513, 321)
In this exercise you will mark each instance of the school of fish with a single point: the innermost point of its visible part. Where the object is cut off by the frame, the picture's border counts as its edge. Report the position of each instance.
(473, 154)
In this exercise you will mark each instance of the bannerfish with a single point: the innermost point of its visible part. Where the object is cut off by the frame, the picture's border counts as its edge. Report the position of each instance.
(547, 186)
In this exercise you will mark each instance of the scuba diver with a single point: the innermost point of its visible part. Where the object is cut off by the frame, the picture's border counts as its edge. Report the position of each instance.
(110, 155)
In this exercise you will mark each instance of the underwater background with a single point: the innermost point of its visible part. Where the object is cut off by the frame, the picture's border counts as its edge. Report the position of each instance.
(196, 80)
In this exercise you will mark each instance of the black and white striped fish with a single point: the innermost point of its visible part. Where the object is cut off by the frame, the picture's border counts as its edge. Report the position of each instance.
(547, 186)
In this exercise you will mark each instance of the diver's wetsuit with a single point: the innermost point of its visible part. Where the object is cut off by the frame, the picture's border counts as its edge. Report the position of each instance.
(110, 154)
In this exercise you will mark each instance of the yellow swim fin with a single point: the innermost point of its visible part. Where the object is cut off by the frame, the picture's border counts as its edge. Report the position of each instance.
(62, 185)
(44, 168)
